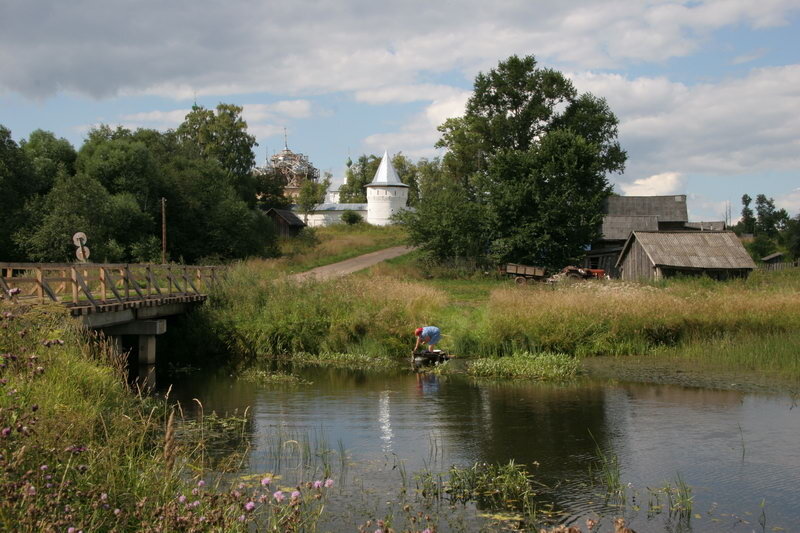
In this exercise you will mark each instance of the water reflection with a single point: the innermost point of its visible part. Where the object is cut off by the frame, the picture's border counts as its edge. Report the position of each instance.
(733, 448)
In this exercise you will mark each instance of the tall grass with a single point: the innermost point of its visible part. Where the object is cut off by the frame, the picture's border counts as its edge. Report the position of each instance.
(622, 318)
(526, 365)
(258, 316)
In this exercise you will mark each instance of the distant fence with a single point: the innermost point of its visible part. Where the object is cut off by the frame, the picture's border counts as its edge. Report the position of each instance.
(94, 284)
(779, 266)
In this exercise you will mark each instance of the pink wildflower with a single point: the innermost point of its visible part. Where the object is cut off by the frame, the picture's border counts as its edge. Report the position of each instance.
(295, 494)
(249, 506)
(117, 511)
(328, 483)
(317, 484)
(266, 481)
(182, 498)
(242, 518)
(201, 483)
(279, 496)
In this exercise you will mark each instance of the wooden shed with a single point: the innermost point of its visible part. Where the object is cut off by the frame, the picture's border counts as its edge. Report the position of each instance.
(651, 255)
(286, 223)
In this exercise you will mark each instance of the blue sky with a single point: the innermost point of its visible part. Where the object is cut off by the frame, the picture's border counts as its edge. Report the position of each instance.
(708, 92)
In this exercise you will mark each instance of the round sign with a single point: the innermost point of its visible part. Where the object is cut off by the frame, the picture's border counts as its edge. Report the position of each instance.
(82, 253)
(79, 239)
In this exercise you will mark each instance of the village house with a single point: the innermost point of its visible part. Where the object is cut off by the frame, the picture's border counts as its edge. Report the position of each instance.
(652, 255)
(626, 214)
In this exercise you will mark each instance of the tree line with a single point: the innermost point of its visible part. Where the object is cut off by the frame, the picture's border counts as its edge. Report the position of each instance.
(111, 189)
(767, 229)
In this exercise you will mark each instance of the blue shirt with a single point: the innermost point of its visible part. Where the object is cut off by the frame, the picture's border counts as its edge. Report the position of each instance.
(430, 334)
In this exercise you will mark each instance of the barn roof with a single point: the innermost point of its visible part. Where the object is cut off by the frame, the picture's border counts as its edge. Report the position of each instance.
(691, 249)
(290, 218)
(666, 208)
(772, 256)
(619, 228)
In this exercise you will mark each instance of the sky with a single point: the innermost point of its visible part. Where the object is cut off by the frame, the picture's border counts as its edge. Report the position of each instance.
(707, 92)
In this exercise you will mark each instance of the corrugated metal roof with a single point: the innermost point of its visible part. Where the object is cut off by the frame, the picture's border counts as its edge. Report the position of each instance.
(619, 228)
(666, 208)
(386, 175)
(330, 206)
(692, 249)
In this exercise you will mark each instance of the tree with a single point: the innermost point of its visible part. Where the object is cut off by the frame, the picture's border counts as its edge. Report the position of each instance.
(358, 176)
(748, 221)
(350, 217)
(223, 137)
(16, 187)
(769, 220)
(312, 193)
(47, 154)
(534, 156)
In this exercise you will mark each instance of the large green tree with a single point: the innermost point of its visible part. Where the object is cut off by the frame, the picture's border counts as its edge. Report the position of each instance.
(223, 137)
(47, 154)
(16, 185)
(534, 156)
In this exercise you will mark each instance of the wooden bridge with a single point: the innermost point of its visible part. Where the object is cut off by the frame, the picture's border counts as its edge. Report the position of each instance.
(120, 299)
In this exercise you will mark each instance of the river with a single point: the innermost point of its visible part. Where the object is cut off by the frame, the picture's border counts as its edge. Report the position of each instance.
(739, 451)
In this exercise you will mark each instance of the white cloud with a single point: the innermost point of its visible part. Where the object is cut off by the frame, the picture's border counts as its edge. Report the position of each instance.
(790, 201)
(749, 124)
(102, 49)
(417, 137)
(748, 57)
(658, 184)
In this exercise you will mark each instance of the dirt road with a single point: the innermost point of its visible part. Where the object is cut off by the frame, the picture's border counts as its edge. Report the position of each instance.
(352, 265)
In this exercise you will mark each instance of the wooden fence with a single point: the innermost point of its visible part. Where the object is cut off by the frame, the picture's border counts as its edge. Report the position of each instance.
(779, 266)
(93, 285)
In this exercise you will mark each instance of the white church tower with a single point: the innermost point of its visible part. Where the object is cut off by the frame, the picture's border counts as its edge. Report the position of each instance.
(386, 195)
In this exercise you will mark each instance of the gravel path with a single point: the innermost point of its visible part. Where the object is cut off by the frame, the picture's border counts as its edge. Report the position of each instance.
(355, 264)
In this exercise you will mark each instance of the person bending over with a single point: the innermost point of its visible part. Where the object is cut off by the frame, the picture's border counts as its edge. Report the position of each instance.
(428, 334)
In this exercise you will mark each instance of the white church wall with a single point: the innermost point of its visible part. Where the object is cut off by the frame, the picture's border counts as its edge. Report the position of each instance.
(384, 202)
(328, 218)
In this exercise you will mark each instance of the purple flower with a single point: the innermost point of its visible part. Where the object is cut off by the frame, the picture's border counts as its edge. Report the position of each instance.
(43, 468)
(201, 483)
(317, 484)
(328, 483)
(296, 495)
(279, 497)
(195, 491)
(426, 530)
(249, 506)
(266, 481)
(195, 503)
(182, 498)
(71, 530)
(14, 291)
(6, 432)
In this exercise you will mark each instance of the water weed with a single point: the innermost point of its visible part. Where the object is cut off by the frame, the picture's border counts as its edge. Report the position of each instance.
(526, 365)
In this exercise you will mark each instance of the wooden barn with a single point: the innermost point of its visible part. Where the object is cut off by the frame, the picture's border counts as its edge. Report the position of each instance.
(651, 255)
(287, 224)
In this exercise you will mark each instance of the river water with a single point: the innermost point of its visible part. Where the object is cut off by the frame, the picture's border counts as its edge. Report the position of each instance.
(738, 451)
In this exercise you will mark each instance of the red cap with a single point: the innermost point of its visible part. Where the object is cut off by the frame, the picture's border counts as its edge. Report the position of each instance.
(418, 332)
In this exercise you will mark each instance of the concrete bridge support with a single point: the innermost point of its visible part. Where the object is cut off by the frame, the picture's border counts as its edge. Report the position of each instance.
(146, 330)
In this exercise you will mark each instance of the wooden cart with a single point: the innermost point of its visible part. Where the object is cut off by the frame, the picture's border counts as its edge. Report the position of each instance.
(523, 273)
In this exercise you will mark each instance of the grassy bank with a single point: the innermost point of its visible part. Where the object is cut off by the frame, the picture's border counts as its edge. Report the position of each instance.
(749, 324)
(80, 451)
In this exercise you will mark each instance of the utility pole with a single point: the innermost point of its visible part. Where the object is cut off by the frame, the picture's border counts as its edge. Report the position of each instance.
(163, 230)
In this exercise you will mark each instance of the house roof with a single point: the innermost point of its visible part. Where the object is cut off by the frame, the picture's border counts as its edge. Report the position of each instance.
(288, 216)
(772, 256)
(386, 176)
(619, 228)
(691, 249)
(666, 208)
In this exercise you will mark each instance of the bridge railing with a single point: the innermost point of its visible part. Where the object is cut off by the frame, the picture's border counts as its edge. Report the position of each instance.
(93, 284)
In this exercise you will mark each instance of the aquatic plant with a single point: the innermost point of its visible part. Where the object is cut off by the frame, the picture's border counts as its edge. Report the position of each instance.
(265, 377)
(526, 365)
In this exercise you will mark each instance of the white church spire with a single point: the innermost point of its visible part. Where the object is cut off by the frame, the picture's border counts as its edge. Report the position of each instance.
(386, 174)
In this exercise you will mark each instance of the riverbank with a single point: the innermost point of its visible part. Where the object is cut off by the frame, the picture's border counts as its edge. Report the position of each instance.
(751, 325)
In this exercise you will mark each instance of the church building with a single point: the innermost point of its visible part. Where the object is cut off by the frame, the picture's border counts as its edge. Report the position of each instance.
(386, 196)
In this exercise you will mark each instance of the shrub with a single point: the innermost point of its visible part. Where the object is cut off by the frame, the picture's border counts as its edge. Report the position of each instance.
(350, 217)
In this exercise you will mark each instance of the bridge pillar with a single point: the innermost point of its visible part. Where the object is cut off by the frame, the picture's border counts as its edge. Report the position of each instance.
(147, 349)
